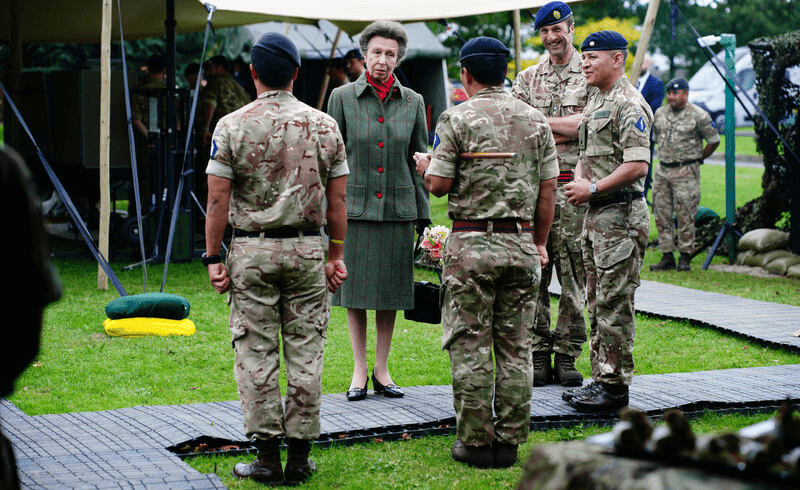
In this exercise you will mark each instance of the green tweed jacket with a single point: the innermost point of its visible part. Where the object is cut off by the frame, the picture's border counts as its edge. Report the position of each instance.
(381, 139)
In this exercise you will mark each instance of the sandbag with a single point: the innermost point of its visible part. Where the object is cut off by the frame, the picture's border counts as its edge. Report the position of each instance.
(743, 257)
(781, 264)
(763, 240)
(149, 305)
(762, 259)
(142, 327)
(793, 271)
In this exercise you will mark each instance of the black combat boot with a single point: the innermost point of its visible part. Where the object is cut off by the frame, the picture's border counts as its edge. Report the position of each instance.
(505, 455)
(266, 469)
(587, 390)
(542, 369)
(298, 467)
(477, 456)
(684, 262)
(564, 371)
(609, 397)
(667, 263)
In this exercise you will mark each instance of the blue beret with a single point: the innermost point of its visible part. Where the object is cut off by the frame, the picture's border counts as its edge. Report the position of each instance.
(354, 53)
(483, 46)
(277, 44)
(604, 41)
(552, 13)
(678, 84)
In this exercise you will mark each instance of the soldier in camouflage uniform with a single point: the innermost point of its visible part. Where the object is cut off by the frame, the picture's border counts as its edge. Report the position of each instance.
(274, 164)
(502, 210)
(679, 131)
(557, 88)
(221, 95)
(614, 142)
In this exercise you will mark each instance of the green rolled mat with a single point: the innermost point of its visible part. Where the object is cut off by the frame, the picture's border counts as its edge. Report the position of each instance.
(149, 305)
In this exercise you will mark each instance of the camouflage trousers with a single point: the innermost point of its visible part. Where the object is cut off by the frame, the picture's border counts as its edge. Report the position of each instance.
(490, 282)
(676, 191)
(278, 299)
(564, 250)
(614, 242)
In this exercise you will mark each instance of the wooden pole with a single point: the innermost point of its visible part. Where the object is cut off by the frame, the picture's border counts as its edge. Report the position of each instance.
(105, 139)
(641, 48)
(326, 78)
(517, 44)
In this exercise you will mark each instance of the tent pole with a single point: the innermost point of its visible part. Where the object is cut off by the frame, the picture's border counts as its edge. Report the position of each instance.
(326, 78)
(105, 140)
(644, 41)
(517, 43)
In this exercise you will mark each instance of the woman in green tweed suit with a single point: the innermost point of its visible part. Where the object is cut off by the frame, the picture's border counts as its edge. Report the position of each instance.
(383, 124)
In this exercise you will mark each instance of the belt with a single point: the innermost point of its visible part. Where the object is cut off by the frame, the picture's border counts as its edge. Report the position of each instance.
(678, 164)
(498, 225)
(627, 197)
(285, 232)
(565, 177)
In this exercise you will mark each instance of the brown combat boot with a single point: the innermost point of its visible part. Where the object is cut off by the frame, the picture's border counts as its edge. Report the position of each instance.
(266, 469)
(298, 467)
(684, 262)
(564, 372)
(667, 263)
(542, 369)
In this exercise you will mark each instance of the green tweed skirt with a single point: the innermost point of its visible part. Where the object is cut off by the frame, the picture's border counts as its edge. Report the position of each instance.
(379, 256)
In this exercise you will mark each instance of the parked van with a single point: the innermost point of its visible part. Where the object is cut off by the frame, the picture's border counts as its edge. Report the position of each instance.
(707, 87)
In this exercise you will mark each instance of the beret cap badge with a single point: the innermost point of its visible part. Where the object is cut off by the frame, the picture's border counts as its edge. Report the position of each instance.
(556, 14)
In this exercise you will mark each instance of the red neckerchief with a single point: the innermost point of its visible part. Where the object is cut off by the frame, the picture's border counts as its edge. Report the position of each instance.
(383, 88)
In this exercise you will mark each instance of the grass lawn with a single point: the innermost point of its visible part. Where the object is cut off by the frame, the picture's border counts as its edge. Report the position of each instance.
(80, 368)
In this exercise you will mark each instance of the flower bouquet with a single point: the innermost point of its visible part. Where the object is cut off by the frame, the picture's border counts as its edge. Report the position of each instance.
(432, 245)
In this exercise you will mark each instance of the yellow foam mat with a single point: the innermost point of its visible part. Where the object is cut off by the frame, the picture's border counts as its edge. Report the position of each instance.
(142, 327)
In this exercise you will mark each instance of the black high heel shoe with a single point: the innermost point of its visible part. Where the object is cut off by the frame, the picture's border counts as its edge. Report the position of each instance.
(389, 391)
(355, 394)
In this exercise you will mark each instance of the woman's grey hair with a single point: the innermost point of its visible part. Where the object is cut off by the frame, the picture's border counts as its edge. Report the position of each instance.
(388, 29)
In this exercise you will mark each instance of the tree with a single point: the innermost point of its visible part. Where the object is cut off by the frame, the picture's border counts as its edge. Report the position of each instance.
(747, 19)
(780, 102)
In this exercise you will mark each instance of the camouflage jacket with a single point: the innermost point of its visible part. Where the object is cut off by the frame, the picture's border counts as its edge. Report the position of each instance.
(615, 129)
(493, 188)
(279, 153)
(381, 139)
(556, 95)
(224, 94)
(680, 134)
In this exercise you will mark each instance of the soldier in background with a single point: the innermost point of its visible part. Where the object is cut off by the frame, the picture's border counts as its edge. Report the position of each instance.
(221, 95)
(557, 88)
(275, 163)
(355, 64)
(614, 142)
(679, 130)
(502, 209)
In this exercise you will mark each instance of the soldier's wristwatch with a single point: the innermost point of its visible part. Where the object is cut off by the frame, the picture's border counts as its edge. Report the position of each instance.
(210, 259)
(593, 189)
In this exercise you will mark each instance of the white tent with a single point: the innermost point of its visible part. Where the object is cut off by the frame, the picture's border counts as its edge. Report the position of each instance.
(92, 21)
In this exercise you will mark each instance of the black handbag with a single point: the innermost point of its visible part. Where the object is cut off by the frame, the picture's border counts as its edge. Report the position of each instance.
(427, 298)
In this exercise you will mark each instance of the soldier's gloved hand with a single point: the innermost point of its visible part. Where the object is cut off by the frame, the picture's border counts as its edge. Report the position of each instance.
(422, 224)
